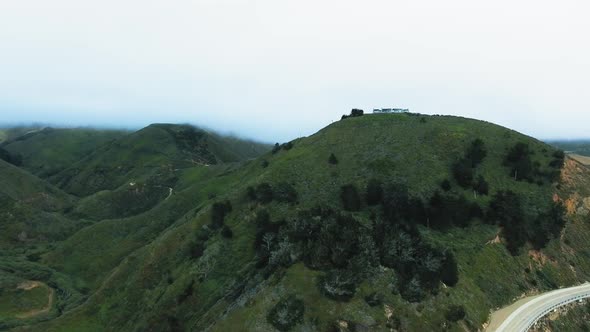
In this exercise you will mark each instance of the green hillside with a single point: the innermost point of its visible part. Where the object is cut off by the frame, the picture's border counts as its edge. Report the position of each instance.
(157, 149)
(379, 222)
(9, 133)
(48, 151)
(31, 210)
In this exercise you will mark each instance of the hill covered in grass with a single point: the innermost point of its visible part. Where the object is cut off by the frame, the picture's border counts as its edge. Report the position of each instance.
(377, 222)
(48, 151)
(155, 150)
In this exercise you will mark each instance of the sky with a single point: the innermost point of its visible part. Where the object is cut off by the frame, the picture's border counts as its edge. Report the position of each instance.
(275, 70)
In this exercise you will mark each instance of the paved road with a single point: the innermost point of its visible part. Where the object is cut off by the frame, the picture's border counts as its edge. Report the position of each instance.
(529, 313)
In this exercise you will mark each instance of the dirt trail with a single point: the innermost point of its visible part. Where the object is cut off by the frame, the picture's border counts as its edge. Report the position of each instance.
(171, 191)
(28, 285)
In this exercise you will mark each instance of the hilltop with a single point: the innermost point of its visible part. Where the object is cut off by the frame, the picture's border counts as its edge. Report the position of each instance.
(376, 222)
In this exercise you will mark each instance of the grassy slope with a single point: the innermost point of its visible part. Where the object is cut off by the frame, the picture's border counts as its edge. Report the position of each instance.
(158, 148)
(49, 151)
(30, 209)
(9, 133)
(142, 261)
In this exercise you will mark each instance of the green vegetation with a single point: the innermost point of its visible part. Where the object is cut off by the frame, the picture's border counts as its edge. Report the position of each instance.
(287, 313)
(46, 152)
(172, 228)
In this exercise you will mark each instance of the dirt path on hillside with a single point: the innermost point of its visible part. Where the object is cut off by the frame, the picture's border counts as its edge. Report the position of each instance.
(29, 285)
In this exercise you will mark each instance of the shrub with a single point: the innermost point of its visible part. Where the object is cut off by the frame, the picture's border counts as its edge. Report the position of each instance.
(218, 213)
(350, 198)
(338, 285)
(196, 249)
(455, 313)
(276, 148)
(446, 185)
(226, 232)
(374, 299)
(449, 271)
(264, 163)
(251, 193)
(356, 112)
(374, 194)
(332, 159)
(287, 146)
(287, 313)
(264, 193)
(285, 192)
(481, 186)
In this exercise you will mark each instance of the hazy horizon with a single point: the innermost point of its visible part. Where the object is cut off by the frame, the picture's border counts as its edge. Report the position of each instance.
(274, 71)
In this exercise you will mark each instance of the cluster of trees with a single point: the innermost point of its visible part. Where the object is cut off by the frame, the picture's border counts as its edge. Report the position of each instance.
(519, 160)
(15, 159)
(443, 209)
(506, 210)
(464, 169)
(354, 113)
(350, 252)
(264, 193)
(285, 146)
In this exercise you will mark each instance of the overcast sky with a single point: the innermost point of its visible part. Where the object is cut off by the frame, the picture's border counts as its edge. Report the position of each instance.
(275, 70)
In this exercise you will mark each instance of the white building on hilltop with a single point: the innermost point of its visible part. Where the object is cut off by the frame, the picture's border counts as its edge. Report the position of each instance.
(390, 110)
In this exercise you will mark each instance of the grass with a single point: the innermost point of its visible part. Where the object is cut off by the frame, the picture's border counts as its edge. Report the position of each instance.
(15, 302)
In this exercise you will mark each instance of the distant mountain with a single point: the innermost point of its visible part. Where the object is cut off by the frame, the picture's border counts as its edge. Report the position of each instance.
(48, 151)
(581, 147)
(157, 150)
(375, 223)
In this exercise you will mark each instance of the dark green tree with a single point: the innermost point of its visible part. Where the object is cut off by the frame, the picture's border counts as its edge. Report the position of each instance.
(476, 152)
(455, 313)
(446, 185)
(264, 193)
(218, 213)
(285, 192)
(374, 193)
(350, 198)
(276, 148)
(463, 172)
(332, 159)
(226, 232)
(356, 112)
(481, 186)
(287, 313)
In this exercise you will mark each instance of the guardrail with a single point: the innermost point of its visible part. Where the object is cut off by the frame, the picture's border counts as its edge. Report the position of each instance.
(532, 321)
